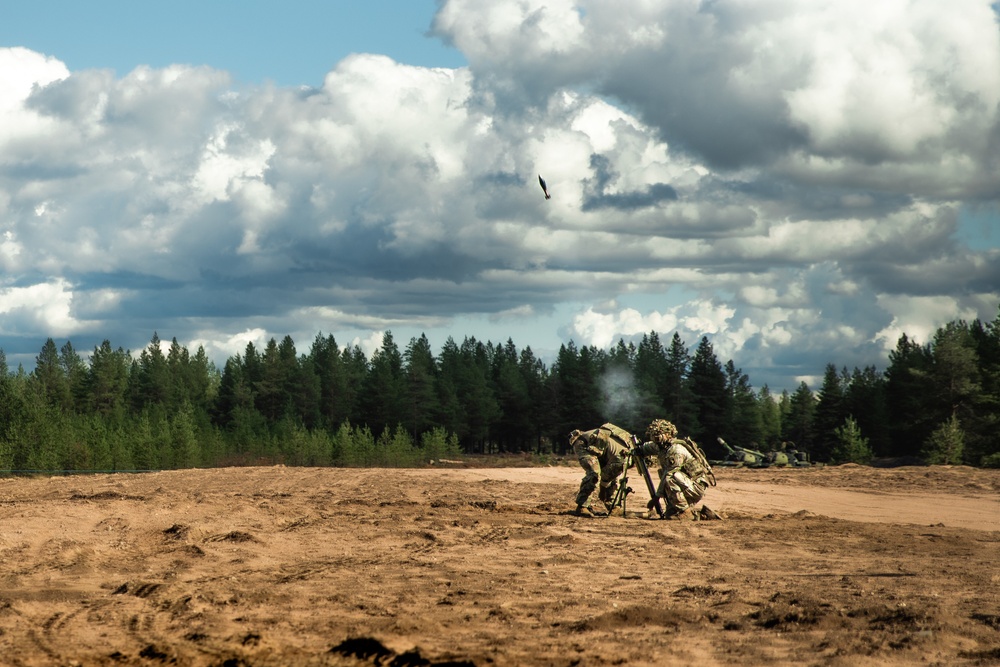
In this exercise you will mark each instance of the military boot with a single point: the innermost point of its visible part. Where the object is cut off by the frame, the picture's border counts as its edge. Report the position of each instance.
(583, 511)
(684, 515)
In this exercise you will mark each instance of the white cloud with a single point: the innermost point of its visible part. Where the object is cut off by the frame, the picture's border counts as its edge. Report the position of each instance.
(919, 317)
(218, 344)
(21, 70)
(40, 307)
(708, 317)
(604, 329)
(370, 344)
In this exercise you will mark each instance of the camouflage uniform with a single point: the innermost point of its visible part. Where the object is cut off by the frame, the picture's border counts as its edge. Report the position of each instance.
(683, 478)
(601, 453)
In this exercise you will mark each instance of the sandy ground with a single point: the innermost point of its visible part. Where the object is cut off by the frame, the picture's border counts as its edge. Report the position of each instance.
(486, 566)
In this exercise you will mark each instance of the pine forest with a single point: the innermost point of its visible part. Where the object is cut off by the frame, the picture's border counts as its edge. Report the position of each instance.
(935, 403)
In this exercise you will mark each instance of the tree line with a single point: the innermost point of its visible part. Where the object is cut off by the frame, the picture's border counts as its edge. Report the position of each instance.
(938, 403)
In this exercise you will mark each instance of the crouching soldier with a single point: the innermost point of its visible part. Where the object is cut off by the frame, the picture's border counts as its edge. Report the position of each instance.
(685, 473)
(601, 452)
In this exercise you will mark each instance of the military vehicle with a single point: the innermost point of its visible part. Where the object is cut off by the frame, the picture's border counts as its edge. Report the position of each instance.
(741, 457)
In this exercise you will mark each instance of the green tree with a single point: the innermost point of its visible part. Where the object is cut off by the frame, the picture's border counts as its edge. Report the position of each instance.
(178, 360)
(50, 377)
(476, 394)
(75, 370)
(234, 394)
(356, 366)
(438, 444)
(707, 382)
(150, 381)
(955, 371)
(451, 415)
(419, 390)
(9, 414)
(910, 392)
(576, 391)
(186, 451)
(202, 379)
(513, 429)
(356, 445)
(831, 411)
(270, 390)
(983, 426)
(798, 424)
(850, 445)
(745, 425)
(677, 398)
(539, 411)
(865, 400)
(770, 419)
(305, 393)
(651, 380)
(946, 444)
(384, 388)
(107, 379)
(337, 393)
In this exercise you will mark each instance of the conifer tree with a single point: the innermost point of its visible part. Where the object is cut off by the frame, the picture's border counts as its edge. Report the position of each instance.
(798, 425)
(107, 380)
(75, 370)
(677, 399)
(50, 377)
(983, 427)
(770, 418)
(476, 393)
(707, 382)
(150, 380)
(865, 400)
(382, 398)
(513, 430)
(539, 405)
(419, 390)
(328, 365)
(831, 411)
(651, 377)
(946, 444)
(576, 393)
(850, 446)
(745, 425)
(451, 414)
(910, 392)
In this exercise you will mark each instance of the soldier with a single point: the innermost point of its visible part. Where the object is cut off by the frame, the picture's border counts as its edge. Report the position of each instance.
(685, 473)
(601, 453)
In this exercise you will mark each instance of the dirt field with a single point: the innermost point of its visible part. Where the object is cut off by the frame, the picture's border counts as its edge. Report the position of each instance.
(486, 566)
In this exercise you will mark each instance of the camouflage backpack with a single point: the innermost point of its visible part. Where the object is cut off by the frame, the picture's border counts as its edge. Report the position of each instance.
(620, 434)
(700, 467)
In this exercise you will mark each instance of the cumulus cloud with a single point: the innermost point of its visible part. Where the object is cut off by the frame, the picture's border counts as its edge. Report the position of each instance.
(786, 179)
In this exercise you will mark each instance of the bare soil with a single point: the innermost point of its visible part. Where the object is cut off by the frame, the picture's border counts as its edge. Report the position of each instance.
(235, 567)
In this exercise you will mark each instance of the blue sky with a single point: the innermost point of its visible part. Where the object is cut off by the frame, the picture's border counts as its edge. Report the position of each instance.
(290, 44)
(800, 183)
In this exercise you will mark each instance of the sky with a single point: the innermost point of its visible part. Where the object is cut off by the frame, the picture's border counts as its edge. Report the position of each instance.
(799, 182)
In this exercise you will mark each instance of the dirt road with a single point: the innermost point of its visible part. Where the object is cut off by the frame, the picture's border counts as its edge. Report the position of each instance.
(486, 566)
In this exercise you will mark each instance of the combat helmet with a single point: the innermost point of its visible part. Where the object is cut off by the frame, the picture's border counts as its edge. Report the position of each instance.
(658, 427)
(574, 435)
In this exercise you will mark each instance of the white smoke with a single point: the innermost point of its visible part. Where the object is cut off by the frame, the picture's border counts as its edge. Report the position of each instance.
(620, 401)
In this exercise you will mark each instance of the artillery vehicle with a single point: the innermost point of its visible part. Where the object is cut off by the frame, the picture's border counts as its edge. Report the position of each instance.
(741, 457)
